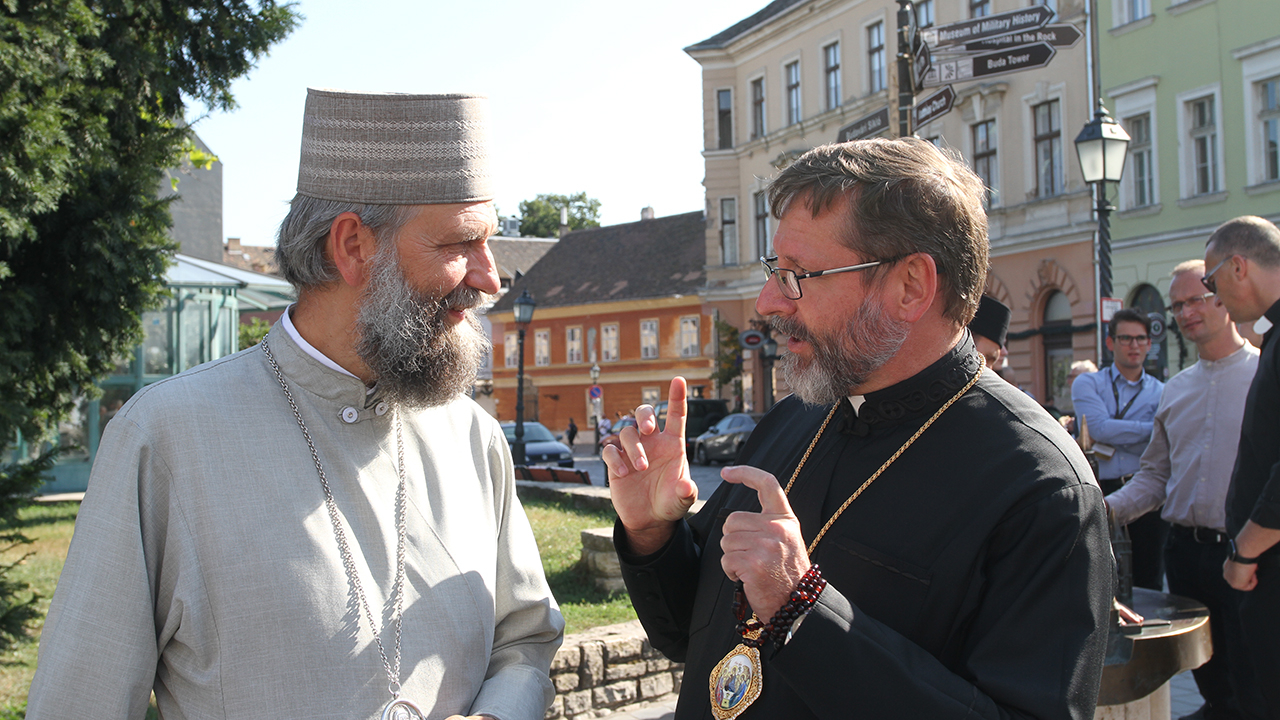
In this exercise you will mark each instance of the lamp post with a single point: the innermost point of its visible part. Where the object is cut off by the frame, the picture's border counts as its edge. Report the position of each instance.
(595, 402)
(768, 353)
(1102, 147)
(524, 315)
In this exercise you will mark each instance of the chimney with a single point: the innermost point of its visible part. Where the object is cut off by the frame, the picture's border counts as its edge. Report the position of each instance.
(233, 245)
(564, 221)
(646, 212)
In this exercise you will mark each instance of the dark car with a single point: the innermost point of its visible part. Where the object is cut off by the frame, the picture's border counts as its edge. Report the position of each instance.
(723, 440)
(540, 446)
(702, 413)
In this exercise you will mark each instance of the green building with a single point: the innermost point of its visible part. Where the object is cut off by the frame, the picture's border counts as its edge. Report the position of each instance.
(1196, 83)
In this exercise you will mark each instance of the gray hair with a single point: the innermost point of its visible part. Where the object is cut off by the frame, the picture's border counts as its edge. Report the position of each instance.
(304, 234)
(1250, 236)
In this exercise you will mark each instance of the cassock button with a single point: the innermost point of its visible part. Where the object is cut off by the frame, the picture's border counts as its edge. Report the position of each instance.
(381, 409)
(350, 415)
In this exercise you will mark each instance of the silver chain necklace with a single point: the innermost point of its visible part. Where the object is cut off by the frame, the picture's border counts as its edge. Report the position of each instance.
(398, 708)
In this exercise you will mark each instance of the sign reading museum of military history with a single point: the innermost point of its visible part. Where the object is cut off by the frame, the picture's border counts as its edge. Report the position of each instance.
(1014, 21)
(865, 127)
(1023, 57)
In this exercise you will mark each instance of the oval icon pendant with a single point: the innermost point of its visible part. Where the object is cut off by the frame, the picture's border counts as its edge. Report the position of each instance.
(735, 682)
(401, 709)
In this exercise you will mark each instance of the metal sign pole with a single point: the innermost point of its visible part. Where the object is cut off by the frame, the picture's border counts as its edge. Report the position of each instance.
(906, 78)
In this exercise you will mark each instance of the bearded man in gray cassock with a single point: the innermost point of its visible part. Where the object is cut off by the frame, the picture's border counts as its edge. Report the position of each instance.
(323, 525)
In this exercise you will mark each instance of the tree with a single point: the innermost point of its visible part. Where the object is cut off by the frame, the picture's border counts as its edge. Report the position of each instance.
(89, 94)
(540, 217)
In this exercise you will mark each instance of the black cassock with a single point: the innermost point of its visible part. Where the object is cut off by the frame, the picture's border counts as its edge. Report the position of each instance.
(973, 579)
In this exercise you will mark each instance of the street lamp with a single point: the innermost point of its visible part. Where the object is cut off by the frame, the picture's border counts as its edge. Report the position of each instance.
(524, 315)
(768, 353)
(1102, 147)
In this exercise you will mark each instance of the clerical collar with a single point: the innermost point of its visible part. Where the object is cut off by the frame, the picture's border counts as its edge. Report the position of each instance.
(919, 395)
(307, 347)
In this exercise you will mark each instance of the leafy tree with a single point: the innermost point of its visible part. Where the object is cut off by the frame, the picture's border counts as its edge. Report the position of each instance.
(251, 333)
(89, 90)
(540, 217)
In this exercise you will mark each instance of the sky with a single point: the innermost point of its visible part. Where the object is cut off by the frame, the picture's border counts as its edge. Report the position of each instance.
(586, 95)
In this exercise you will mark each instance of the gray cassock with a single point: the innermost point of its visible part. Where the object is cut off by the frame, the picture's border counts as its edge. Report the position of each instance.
(204, 562)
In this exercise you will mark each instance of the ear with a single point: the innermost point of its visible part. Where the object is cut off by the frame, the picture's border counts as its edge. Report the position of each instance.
(1111, 344)
(913, 286)
(352, 246)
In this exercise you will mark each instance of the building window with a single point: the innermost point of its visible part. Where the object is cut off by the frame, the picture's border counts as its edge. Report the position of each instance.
(729, 231)
(724, 118)
(511, 349)
(1204, 143)
(1269, 116)
(760, 201)
(573, 344)
(648, 339)
(1048, 149)
(650, 395)
(1133, 10)
(1141, 155)
(984, 158)
(792, 71)
(979, 8)
(875, 56)
(1057, 349)
(831, 73)
(924, 13)
(609, 342)
(1051, 4)
(542, 347)
(690, 345)
(757, 108)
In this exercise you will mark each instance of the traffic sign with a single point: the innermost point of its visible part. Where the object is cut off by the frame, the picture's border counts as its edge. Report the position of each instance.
(751, 339)
(935, 106)
(596, 392)
(923, 63)
(865, 127)
(1110, 306)
(1014, 21)
(1057, 35)
(1024, 57)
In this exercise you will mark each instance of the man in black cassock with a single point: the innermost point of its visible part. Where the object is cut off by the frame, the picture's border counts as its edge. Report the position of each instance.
(971, 578)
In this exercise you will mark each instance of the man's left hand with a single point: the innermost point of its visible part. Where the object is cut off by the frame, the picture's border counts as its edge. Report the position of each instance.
(1240, 576)
(764, 550)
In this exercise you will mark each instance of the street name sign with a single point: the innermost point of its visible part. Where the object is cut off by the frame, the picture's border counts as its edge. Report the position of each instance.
(1058, 35)
(1024, 57)
(980, 28)
(935, 106)
(865, 127)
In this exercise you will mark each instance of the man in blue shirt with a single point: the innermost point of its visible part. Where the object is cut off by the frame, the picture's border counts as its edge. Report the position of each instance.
(1119, 403)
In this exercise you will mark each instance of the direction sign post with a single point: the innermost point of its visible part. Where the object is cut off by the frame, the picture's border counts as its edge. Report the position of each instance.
(1059, 35)
(865, 127)
(935, 106)
(1023, 57)
(1014, 21)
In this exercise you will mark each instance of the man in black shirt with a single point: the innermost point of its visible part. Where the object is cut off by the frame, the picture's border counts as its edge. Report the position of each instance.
(960, 530)
(1243, 267)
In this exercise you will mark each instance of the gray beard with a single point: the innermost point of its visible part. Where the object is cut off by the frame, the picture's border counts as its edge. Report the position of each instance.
(418, 358)
(839, 364)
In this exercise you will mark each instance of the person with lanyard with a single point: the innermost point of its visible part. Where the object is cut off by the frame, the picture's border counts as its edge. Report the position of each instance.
(1185, 472)
(324, 524)
(1119, 405)
(1243, 257)
(908, 536)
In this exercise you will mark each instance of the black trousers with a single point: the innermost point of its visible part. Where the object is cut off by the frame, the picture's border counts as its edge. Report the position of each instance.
(1147, 534)
(1260, 620)
(1226, 682)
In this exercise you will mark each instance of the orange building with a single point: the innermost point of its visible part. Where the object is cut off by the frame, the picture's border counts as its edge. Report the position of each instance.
(623, 298)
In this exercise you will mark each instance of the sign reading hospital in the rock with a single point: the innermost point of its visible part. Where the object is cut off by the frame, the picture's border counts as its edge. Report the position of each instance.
(1014, 21)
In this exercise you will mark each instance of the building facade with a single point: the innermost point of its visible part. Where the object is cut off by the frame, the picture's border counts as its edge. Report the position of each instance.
(1196, 84)
(793, 75)
(623, 298)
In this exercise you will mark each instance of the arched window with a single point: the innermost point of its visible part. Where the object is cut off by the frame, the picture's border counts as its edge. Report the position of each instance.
(1056, 333)
(1147, 299)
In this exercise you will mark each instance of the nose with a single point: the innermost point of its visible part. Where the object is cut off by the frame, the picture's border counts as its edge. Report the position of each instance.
(482, 271)
(771, 301)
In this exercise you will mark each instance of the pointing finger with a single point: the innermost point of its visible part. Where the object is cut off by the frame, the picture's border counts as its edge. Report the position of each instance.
(772, 499)
(677, 407)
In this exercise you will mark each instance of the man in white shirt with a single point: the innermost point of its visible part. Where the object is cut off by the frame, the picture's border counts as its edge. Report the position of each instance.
(1187, 468)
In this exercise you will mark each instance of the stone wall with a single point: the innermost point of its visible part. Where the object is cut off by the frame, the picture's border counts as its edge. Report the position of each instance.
(610, 669)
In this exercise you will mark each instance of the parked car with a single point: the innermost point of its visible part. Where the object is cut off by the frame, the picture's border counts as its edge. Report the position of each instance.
(702, 413)
(540, 446)
(612, 437)
(723, 440)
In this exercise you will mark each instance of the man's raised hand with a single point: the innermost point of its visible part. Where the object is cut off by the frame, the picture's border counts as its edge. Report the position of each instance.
(649, 477)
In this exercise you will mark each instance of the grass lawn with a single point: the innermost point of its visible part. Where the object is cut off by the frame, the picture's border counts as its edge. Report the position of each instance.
(555, 525)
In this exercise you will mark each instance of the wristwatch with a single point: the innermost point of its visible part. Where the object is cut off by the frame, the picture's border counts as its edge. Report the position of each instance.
(1235, 557)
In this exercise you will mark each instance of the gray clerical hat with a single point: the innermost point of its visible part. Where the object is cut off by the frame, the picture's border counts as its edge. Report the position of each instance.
(395, 149)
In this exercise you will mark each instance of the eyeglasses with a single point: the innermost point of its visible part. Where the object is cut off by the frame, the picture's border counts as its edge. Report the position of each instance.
(1132, 339)
(1192, 303)
(1208, 280)
(789, 280)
